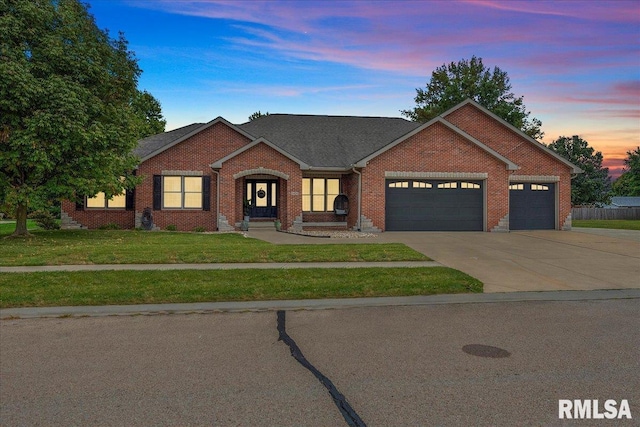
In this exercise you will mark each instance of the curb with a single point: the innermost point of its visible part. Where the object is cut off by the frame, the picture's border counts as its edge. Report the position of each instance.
(316, 304)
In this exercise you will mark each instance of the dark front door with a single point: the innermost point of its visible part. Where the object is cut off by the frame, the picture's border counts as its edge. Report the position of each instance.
(263, 195)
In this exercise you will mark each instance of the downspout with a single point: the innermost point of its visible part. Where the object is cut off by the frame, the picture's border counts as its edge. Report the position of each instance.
(359, 228)
(217, 198)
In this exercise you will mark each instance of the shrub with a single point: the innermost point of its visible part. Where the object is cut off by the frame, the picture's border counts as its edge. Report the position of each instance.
(171, 227)
(110, 226)
(45, 220)
(199, 229)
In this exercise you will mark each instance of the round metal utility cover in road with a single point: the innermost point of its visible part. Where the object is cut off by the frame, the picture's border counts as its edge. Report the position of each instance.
(485, 351)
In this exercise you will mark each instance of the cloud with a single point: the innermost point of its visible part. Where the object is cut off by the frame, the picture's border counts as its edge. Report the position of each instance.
(415, 37)
(629, 89)
(265, 90)
(614, 11)
(613, 100)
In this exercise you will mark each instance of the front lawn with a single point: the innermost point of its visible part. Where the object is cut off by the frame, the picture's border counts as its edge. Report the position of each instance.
(619, 224)
(9, 226)
(184, 286)
(139, 247)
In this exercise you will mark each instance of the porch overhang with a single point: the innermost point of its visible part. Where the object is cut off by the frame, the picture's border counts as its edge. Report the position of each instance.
(261, 171)
(218, 164)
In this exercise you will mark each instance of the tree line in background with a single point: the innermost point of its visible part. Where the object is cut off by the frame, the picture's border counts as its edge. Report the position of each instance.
(628, 184)
(71, 112)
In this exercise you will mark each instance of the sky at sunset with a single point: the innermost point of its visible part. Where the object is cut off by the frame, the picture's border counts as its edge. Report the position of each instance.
(577, 63)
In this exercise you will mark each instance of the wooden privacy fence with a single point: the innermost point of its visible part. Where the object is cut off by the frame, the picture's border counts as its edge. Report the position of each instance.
(603, 213)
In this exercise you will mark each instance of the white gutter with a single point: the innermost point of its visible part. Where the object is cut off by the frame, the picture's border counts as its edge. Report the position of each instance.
(359, 197)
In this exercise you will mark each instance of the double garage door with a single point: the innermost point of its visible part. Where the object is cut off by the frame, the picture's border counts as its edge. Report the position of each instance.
(436, 205)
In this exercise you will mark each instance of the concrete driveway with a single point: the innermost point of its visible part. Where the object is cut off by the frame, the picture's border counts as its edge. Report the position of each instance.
(535, 260)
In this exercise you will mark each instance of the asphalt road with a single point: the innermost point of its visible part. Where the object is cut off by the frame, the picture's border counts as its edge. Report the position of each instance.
(395, 366)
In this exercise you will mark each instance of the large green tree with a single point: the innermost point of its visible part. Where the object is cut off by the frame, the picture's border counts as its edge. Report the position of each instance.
(68, 123)
(628, 184)
(452, 83)
(149, 113)
(593, 185)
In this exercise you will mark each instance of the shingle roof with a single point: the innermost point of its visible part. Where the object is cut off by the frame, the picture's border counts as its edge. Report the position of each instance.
(328, 141)
(152, 143)
(627, 202)
(324, 141)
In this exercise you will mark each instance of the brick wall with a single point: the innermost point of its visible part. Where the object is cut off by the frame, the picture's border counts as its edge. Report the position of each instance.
(261, 156)
(194, 154)
(350, 188)
(531, 159)
(94, 218)
(435, 149)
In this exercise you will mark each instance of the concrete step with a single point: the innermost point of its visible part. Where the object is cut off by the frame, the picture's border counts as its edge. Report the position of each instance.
(325, 224)
(261, 224)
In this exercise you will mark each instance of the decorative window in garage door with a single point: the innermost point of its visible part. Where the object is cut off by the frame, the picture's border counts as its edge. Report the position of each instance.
(516, 187)
(399, 184)
(448, 185)
(459, 184)
(471, 185)
(421, 184)
(538, 187)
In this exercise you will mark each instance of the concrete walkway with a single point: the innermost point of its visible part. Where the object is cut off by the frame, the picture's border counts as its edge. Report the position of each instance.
(215, 266)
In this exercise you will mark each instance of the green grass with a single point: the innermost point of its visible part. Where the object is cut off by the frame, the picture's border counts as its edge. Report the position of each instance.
(8, 227)
(183, 286)
(619, 224)
(139, 247)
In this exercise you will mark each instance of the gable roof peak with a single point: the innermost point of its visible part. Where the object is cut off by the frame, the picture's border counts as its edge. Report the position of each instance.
(539, 145)
(156, 144)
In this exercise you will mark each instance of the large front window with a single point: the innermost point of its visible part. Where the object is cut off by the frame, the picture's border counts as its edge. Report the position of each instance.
(182, 192)
(318, 194)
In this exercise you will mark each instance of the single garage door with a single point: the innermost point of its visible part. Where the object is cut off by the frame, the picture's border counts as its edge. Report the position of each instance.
(432, 205)
(532, 206)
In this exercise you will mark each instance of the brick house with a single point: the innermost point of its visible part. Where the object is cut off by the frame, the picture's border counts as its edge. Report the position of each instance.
(467, 169)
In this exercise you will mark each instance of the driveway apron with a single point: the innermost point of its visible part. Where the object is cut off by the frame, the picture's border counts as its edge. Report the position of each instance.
(535, 260)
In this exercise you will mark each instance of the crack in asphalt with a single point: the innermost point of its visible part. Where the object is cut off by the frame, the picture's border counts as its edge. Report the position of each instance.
(350, 416)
